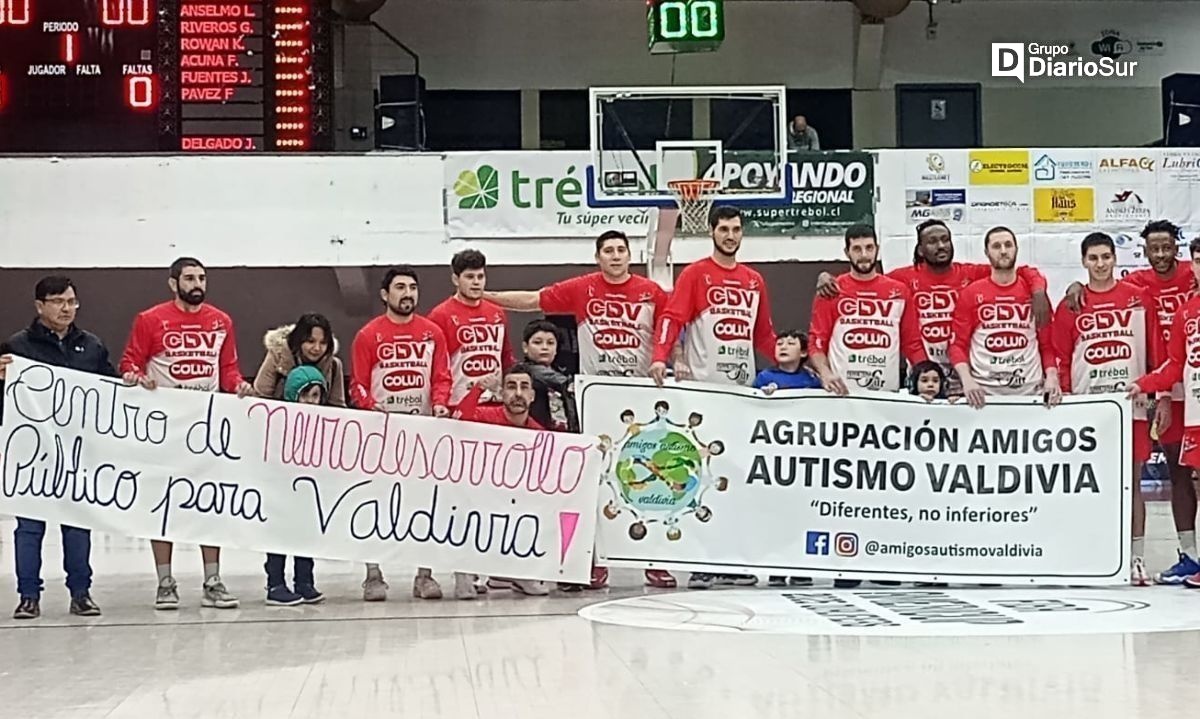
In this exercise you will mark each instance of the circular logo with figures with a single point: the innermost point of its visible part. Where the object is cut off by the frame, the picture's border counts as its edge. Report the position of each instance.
(660, 472)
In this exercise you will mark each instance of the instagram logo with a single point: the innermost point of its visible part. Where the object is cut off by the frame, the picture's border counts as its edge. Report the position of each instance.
(845, 544)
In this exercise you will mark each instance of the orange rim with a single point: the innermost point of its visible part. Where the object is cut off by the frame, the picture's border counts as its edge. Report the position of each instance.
(691, 190)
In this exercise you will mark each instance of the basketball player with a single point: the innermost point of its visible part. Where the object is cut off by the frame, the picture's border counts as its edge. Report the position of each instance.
(189, 344)
(475, 328)
(935, 281)
(398, 364)
(995, 346)
(722, 305)
(1182, 365)
(724, 309)
(860, 336)
(615, 311)
(1169, 284)
(1113, 338)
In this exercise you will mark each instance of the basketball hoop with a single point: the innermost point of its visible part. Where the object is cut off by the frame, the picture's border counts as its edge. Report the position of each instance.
(695, 200)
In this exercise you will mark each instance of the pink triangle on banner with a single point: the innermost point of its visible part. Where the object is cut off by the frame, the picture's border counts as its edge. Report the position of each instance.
(567, 522)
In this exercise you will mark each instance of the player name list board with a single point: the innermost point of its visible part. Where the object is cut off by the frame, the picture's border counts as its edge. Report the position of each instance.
(221, 76)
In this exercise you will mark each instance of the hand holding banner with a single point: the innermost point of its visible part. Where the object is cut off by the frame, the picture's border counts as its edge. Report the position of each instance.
(298, 479)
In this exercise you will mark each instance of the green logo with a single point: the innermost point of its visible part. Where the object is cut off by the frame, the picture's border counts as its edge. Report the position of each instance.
(661, 473)
(478, 189)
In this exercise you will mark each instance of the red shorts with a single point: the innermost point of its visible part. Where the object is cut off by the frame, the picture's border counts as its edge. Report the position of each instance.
(1174, 433)
(1189, 450)
(1142, 444)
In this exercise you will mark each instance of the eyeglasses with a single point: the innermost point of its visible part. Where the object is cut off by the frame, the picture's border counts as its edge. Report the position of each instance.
(58, 302)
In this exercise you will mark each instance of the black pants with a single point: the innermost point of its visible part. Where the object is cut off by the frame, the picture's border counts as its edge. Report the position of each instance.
(302, 570)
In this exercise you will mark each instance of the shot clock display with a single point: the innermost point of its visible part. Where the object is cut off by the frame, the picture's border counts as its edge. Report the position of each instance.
(165, 75)
(684, 25)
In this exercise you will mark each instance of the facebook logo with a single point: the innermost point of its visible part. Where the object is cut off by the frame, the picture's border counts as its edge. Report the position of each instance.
(817, 543)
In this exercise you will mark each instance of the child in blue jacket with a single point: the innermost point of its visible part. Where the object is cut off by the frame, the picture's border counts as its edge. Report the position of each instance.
(789, 372)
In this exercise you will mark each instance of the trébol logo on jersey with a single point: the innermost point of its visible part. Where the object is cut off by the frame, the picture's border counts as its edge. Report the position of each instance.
(1035, 60)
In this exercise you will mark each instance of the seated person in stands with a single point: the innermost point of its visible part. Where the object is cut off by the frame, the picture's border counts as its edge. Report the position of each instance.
(790, 370)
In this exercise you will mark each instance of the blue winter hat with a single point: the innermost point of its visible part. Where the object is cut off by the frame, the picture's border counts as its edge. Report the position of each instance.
(300, 379)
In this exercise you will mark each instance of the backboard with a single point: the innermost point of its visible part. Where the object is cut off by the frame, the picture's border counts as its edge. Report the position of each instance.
(644, 137)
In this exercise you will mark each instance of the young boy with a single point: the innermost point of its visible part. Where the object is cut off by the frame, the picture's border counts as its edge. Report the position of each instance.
(789, 372)
(928, 381)
(304, 384)
(554, 391)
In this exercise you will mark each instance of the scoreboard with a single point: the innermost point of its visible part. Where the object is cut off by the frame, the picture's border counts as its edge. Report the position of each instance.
(165, 75)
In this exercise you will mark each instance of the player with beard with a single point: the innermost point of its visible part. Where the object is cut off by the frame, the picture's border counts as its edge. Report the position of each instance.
(1170, 284)
(723, 306)
(398, 364)
(1112, 339)
(516, 397)
(935, 281)
(861, 335)
(995, 346)
(188, 344)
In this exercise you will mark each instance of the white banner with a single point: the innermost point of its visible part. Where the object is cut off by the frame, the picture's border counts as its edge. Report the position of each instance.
(717, 479)
(493, 195)
(296, 479)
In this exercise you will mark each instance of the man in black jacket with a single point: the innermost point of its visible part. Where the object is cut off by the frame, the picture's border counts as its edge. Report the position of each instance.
(54, 339)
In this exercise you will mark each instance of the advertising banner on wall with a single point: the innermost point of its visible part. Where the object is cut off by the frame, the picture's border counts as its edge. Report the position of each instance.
(296, 479)
(874, 485)
(496, 195)
(831, 192)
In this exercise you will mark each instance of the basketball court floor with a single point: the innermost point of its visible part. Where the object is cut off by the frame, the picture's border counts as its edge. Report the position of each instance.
(746, 653)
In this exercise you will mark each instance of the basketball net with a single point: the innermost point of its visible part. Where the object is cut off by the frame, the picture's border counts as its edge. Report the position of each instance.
(695, 201)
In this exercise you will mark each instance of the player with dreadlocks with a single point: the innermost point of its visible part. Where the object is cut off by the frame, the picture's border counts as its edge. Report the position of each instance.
(935, 279)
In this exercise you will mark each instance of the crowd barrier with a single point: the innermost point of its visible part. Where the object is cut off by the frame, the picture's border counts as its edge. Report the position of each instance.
(688, 477)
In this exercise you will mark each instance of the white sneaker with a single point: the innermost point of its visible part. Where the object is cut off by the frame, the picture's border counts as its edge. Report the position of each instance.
(1138, 576)
(464, 586)
(530, 587)
(426, 587)
(215, 595)
(374, 588)
(167, 598)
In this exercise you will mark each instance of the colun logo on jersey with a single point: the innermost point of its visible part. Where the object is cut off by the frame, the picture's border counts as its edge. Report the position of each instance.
(934, 332)
(480, 334)
(866, 338)
(480, 365)
(1006, 342)
(1193, 357)
(1103, 320)
(403, 379)
(192, 340)
(936, 300)
(189, 370)
(1005, 313)
(732, 329)
(731, 297)
(1107, 351)
(402, 351)
(614, 309)
(615, 338)
(866, 307)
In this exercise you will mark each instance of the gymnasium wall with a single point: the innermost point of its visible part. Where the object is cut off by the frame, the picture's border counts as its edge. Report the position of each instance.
(560, 44)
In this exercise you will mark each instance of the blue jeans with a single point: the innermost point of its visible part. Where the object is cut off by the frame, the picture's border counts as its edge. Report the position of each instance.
(77, 549)
(302, 572)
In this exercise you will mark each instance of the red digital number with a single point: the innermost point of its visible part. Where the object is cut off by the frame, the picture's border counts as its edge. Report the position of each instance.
(140, 92)
(14, 12)
(123, 12)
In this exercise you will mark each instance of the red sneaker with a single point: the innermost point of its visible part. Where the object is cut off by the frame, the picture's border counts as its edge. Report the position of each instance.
(660, 579)
(599, 578)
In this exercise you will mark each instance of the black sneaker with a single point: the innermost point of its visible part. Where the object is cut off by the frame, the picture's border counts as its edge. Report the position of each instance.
(309, 594)
(777, 581)
(28, 609)
(846, 583)
(700, 580)
(83, 606)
